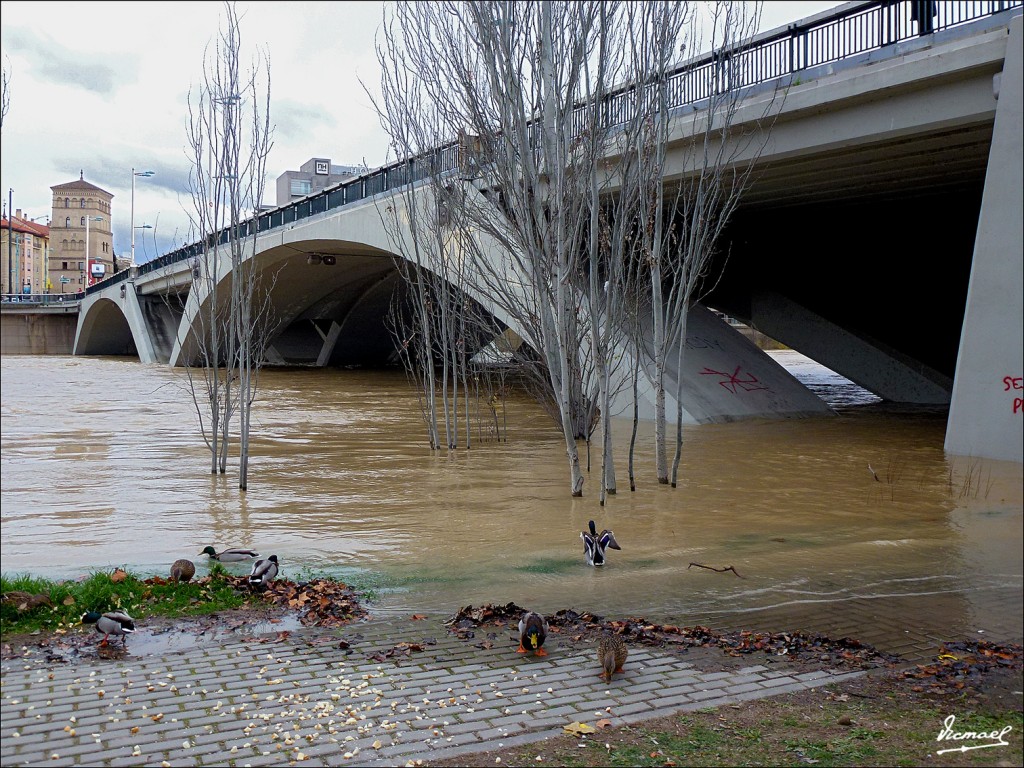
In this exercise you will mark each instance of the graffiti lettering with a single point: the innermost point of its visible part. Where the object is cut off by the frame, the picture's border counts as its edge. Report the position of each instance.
(1015, 382)
(733, 381)
(699, 342)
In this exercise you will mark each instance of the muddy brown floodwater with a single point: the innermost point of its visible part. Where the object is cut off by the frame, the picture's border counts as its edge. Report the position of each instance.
(112, 472)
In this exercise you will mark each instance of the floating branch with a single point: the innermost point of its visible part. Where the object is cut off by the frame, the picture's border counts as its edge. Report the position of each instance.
(716, 570)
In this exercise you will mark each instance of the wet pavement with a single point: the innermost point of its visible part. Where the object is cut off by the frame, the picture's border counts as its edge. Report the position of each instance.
(385, 692)
(263, 690)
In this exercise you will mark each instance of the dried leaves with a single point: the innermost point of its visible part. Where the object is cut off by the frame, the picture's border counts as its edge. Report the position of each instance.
(639, 631)
(462, 623)
(401, 649)
(578, 729)
(487, 612)
(961, 665)
(319, 603)
(25, 601)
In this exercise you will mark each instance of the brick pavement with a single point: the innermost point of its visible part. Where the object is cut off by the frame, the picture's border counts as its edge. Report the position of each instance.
(305, 698)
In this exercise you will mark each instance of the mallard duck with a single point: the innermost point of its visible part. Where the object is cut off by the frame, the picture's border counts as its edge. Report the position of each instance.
(595, 544)
(263, 572)
(230, 555)
(611, 655)
(183, 570)
(116, 623)
(533, 629)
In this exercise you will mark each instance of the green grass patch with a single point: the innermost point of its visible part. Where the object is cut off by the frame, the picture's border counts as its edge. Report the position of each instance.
(51, 605)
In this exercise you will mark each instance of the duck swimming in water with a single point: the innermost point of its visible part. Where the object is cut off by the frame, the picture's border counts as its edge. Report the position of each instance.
(230, 555)
(595, 544)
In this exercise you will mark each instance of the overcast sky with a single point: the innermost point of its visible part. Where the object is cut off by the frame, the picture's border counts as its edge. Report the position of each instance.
(101, 87)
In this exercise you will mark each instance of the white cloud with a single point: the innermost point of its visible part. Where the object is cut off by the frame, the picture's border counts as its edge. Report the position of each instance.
(102, 87)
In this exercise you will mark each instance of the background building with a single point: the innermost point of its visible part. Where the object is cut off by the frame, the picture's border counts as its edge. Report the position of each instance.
(24, 247)
(313, 175)
(73, 203)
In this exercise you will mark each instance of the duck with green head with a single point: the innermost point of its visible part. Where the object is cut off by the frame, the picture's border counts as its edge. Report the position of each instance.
(230, 555)
(533, 630)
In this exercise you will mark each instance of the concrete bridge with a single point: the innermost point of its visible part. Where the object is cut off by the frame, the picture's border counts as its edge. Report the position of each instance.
(882, 237)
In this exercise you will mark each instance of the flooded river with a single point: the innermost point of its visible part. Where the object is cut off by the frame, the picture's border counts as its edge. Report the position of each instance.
(833, 523)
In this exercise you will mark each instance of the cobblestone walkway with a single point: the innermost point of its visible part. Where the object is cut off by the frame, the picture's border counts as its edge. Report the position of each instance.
(383, 692)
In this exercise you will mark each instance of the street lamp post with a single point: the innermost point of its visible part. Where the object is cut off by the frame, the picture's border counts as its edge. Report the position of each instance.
(142, 226)
(85, 277)
(135, 173)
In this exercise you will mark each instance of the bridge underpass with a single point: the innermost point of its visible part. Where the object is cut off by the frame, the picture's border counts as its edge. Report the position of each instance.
(860, 286)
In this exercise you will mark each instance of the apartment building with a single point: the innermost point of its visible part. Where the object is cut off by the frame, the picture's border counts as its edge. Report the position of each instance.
(315, 174)
(81, 239)
(24, 247)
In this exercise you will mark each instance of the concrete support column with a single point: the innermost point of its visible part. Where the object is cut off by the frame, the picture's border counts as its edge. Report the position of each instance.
(986, 415)
(137, 322)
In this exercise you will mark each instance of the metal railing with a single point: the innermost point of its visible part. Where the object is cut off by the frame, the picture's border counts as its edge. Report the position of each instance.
(41, 299)
(826, 38)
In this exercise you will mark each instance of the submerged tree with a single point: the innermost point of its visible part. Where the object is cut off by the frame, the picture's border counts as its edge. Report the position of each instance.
(683, 210)
(506, 76)
(229, 138)
(554, 210)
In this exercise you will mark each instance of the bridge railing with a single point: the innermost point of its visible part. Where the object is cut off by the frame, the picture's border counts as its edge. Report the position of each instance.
(40, 299)
(827, 37)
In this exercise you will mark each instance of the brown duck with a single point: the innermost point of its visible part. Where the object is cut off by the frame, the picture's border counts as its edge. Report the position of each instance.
(611, 654)
(183, 570)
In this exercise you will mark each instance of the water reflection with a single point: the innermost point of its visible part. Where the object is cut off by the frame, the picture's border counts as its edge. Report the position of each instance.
(341, 482)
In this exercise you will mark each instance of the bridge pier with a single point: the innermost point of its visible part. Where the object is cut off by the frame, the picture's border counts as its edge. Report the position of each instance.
(986, 415)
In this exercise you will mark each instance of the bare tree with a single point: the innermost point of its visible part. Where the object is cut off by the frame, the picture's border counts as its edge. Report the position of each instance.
(5, 103)
(230, 137)
(682, 218)
(508, 75)
(563, 219)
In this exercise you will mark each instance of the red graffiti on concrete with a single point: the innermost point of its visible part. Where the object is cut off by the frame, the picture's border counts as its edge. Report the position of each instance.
(732, 381)
(1015, 382)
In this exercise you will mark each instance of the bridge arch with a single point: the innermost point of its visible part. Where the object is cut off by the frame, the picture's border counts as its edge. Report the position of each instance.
(331, 283)
(103, 329)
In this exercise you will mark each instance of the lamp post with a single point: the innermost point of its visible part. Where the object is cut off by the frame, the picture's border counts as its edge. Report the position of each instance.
(141, 226)
(85, 277)
(10, 240)
(135, 173)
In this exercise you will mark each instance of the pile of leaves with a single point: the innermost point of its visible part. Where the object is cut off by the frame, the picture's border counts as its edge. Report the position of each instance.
(793, 645)
(463, 623)
(961, 665)
(319, 603)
